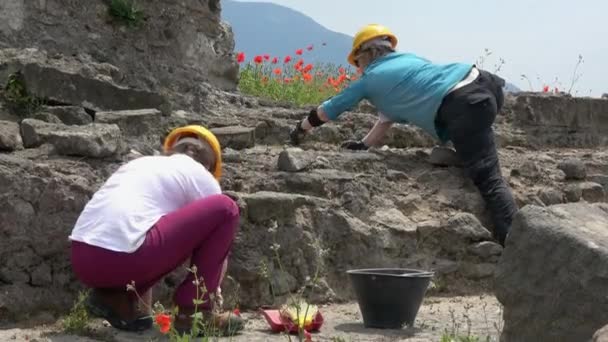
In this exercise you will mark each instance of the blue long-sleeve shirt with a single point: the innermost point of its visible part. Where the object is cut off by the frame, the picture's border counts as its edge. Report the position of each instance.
(403, 87)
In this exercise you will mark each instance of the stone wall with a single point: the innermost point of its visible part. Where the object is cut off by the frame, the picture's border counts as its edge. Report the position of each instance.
(559, 121)
(178, 44)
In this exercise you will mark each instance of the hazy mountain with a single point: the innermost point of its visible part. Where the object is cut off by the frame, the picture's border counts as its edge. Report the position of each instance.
(266, 28)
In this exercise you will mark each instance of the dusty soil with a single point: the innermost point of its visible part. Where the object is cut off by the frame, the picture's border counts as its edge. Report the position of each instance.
(481, 314)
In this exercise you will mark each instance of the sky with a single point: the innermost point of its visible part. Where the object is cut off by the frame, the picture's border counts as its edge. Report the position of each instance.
(541, 39)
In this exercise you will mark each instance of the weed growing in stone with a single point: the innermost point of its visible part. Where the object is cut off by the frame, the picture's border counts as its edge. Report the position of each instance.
(76, 322)
(201, 329)
(456, 334)
(18, 98)
(126, 11)
(297, 308)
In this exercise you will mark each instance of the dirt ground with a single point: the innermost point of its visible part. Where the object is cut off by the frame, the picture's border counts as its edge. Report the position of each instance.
(478, 316)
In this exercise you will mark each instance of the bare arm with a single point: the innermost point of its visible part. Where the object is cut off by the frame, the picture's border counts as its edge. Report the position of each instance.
(377, 133)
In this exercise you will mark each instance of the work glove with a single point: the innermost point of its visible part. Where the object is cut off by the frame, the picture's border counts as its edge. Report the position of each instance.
(354, 145)
(296, 134)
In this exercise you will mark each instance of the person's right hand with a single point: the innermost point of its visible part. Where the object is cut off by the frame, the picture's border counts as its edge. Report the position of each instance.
(296, 134)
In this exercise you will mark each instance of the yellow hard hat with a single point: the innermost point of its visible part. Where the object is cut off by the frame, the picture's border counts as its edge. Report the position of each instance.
(367, 33)
(203, 134)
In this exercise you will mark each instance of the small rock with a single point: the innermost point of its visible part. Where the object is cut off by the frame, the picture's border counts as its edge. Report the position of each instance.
(294, 160)
(600, 179)
(573, 168)
(444, 156)
(70, 115)
(478, 271)
(131, 122)
(550, 196)
(443, 266)
(528, 169)
(394, 219)
(10, 138)
(231, 156)
(47, 117)
(592, 192)
(485, 249)
(573, 193)
(93, 140)
(394, 175)
(465, 225)
(409, 204)
(235, 137)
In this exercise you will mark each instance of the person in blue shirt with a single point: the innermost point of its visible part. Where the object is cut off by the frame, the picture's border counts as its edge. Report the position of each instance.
(454, 102)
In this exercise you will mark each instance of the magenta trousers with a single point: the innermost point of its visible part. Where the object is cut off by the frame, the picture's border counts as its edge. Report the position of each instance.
(203, 231)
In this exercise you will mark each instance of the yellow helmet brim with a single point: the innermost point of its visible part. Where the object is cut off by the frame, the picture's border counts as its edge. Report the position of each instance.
(203, 134)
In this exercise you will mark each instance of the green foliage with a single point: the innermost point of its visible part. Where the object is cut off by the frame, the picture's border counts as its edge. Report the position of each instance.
(126, 11)
(76, 322)
(17, 97)
(293, 83)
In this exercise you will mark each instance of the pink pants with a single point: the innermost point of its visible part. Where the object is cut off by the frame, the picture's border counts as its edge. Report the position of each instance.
(203, 230)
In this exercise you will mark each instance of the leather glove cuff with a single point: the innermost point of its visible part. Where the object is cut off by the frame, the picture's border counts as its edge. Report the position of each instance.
(313, 119)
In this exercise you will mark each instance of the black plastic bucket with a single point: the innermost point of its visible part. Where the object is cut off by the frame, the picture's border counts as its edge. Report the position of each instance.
(389, 298)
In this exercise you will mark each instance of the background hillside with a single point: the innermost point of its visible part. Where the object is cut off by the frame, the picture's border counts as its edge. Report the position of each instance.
(267, 28)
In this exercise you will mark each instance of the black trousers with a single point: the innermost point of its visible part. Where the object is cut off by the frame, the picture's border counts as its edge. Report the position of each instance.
(467, 115)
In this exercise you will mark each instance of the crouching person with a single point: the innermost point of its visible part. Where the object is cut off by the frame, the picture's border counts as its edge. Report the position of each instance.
(152, 215)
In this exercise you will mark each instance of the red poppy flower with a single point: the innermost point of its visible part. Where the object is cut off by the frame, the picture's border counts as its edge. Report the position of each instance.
(267, 57)
(240, 57)
(275, 60)
(300, 62)
(299, 52)
(298, 66)
(277, 71)
(308, 67)
(287, 59)
(287, 80)
(164, 322)
(237, 312)
(309, 47)
(258, 59)
(307, 77)
(341, 70)
(545, 89)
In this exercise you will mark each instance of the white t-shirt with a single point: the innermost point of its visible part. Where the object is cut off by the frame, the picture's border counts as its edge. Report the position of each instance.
(138, 194)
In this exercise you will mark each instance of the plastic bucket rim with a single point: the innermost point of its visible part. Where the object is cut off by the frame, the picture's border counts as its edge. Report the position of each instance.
(416, 273)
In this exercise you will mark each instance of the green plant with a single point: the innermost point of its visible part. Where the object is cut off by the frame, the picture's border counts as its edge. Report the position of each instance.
(76, 322)
(126, 11)
(201, 329)
(18, 98)
(297, 307)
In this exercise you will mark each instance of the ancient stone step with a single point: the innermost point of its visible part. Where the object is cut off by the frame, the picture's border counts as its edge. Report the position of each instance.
(70, 81)
(267, 205)
(235, 137)
(10, 138)
(93, 140)
(70, 115)
(131, 122)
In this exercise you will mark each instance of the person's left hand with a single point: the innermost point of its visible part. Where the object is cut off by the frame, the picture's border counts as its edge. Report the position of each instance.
(355, 145)
(296, 134)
